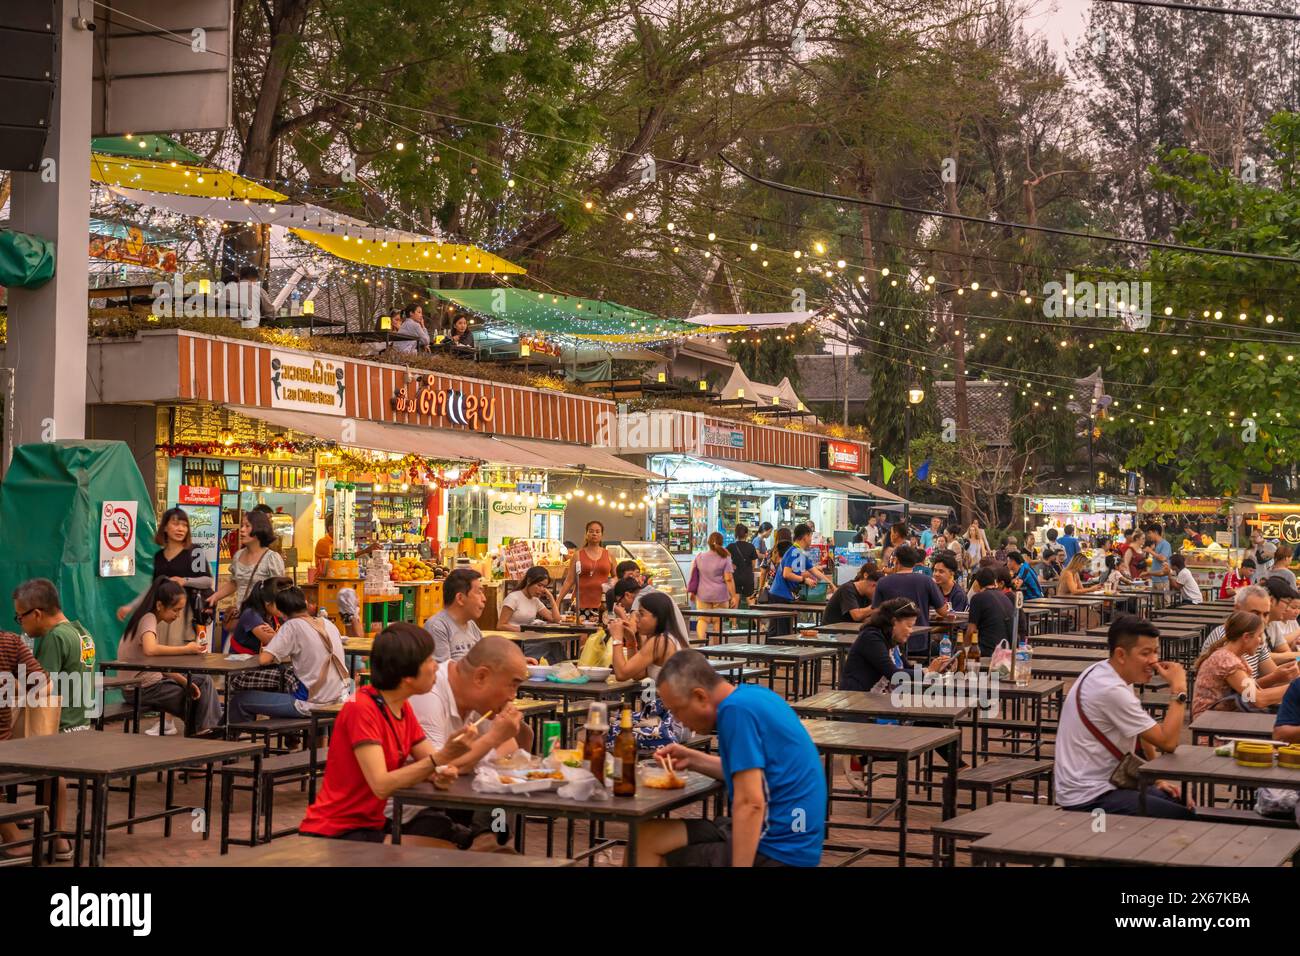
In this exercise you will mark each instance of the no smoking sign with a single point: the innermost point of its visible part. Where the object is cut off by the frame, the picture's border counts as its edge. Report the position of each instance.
(117, 539)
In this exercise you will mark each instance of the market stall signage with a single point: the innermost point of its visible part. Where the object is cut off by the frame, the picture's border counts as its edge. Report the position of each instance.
(132, 250)
(1288, 529)
(1179, 506)
(423, 397)
(506, 508)
(1057, 506)
(841, 456)
(199, 495)
(117, 539)
(306, 384)
(724, 437)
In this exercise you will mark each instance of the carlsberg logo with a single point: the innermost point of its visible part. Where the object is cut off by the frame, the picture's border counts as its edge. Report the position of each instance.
(1129, 301)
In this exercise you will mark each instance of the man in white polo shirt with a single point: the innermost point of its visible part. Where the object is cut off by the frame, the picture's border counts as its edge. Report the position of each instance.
(1102, 721)
(485, 680)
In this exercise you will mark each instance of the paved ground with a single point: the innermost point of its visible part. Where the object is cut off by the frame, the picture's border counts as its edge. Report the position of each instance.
(148, 848)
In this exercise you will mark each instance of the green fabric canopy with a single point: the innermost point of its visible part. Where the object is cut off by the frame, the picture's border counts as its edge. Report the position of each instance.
(565, 315)
(50, 514)
(145, 147)
(26, 262)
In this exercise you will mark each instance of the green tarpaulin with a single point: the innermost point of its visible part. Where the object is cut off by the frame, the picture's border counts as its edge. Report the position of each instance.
(567, 315)
(26, 262)
(146, 147)
(51, 504)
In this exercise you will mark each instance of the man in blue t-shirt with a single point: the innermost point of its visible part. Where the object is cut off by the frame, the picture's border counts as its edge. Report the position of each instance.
(1023, 576)
(920, 589)
(1287, 725)
(1160, 552)
(1069, 542)
(796, 569)
(775, 780)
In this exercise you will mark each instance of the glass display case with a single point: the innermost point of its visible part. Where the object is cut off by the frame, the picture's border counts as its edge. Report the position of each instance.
(655, 559)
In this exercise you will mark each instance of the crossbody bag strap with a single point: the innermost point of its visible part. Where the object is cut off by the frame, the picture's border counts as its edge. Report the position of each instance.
(253, 577)
(1092, 728)
(330, 659)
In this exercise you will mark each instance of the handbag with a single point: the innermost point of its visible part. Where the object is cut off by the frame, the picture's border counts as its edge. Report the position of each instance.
(1124, 776)
(693, 585)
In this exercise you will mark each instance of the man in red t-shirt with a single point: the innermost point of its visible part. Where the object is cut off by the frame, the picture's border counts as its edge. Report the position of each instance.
(1237, 579)
(374, 737)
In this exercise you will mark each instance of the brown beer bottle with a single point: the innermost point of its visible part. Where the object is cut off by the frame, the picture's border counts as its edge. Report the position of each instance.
(625, 757)
(973, 655)
(959, 665)
(593, 748)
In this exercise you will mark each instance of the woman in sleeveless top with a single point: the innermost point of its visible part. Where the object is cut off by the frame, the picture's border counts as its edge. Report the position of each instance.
(589, 571)
(640, 646)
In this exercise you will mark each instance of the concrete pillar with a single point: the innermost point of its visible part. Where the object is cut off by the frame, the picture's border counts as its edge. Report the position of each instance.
(47, 326)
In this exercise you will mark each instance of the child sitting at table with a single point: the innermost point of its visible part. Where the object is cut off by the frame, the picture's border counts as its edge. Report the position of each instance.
(378, 747)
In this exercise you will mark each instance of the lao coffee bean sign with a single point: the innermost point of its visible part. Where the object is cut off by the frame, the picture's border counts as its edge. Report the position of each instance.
(117, 539)
(423, 397)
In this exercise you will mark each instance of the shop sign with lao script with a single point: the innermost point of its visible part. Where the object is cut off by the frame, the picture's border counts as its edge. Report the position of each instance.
(422, 396)
(304, 383)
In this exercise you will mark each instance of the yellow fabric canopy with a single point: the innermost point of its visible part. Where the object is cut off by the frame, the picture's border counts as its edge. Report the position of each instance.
(411, 256)
(171, 177)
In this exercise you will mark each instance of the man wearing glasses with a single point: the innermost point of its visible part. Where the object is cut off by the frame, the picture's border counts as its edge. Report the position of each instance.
(67, 653)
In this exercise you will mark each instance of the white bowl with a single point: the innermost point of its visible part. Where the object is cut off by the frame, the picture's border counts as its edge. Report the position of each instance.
(596, 673)
(540, 671)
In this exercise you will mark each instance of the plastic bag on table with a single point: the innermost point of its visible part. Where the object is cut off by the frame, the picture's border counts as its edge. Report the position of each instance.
(582, 785)
(1001, 661)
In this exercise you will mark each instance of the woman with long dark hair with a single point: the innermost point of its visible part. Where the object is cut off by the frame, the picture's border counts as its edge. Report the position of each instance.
(877, 654)
(177, 558)
(165, 603)
(640, 646)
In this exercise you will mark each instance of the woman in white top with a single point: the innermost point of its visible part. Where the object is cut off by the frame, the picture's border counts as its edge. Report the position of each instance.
(163, 604)
(253, 563)
(313, 648)
(532, 601)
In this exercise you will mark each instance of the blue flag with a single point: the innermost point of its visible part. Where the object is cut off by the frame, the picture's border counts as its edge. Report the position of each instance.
(923, 471)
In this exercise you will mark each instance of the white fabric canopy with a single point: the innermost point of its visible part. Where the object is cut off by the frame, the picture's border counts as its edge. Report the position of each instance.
(753, 320)
(288, 215)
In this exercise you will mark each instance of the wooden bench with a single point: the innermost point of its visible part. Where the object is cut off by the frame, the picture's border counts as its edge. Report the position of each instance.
(277, 770)
(978, 824)
(1002, 772)
(1238, 815)
(33, 815)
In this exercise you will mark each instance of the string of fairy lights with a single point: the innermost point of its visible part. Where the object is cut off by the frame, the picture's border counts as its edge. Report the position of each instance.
(813, 260)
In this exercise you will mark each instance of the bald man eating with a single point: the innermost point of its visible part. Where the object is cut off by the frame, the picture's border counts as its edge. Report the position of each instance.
(485, 679)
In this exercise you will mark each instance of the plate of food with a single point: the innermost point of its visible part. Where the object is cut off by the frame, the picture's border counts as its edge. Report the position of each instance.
(596, 673)
(567, 673)
(520, 760)
(540, 671)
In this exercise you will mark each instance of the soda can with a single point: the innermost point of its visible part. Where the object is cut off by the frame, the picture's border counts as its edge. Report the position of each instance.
(552, 734)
